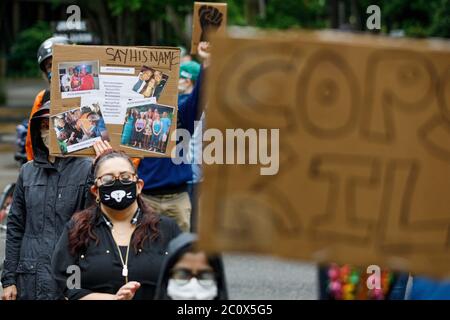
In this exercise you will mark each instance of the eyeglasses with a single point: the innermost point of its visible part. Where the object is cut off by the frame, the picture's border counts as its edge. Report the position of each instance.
(204, 277)
(109, 179)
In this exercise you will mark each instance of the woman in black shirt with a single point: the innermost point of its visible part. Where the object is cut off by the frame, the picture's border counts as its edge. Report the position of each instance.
(113, 251)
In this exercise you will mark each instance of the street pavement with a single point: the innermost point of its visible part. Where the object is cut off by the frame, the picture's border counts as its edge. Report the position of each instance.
(248, 276)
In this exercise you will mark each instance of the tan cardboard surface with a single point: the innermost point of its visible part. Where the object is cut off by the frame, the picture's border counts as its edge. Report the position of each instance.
(166, 60)
(208, 18)
(364, 174)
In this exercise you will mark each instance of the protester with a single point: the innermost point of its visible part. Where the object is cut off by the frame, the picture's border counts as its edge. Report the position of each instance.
(119, 244)
(166, 183)
(44, 59)
(194, 157)
(189, 72)
(48, 191)
(189, 274)
(185, 56)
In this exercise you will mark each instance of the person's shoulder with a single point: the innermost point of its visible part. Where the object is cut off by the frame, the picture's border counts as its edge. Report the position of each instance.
(27, 167)
(166, 222)
(83, 163)
(84, 160)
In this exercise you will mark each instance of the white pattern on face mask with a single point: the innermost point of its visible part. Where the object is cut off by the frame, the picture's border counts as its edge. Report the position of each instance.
(192, 290)
(44, 136)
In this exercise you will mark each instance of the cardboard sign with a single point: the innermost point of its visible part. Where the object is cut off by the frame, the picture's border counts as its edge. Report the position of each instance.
(208, 18)
(127, 95)
(364, 150)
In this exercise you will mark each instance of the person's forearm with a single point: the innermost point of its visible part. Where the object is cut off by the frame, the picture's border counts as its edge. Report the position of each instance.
(99, 296)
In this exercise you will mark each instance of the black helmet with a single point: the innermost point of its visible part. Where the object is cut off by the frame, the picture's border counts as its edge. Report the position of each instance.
(46, 48)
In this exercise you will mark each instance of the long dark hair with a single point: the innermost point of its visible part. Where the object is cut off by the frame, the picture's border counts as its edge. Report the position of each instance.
(81, 232)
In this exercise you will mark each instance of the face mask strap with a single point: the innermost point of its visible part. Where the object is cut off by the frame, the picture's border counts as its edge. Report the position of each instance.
(133, 221)
(136, 216)
(107, 221)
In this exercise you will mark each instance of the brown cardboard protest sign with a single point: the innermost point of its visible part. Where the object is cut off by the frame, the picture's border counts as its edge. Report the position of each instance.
(364, 150)
(208, 18)
(127, 95)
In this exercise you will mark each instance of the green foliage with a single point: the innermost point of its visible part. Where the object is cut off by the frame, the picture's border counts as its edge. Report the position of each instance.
(417, 18)
(291, 13)
(440, 26)
(236, 15)
(22, 61)
(119, 6)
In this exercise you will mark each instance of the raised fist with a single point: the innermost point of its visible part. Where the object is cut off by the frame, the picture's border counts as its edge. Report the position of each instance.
(210, 20)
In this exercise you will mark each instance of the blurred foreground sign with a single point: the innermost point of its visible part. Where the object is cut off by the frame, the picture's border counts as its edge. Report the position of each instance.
(364, 142)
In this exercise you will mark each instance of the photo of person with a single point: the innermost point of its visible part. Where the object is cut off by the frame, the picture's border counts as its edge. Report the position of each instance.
(79, 128)
(147, 127)
(161, 80)
(149, 88)
(144, 76)
(150, 82)
(78, 76)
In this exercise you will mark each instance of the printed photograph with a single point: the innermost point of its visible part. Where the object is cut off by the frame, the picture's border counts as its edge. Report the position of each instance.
(78, 76)
(79, 128)
(150, 82)
(147, 127)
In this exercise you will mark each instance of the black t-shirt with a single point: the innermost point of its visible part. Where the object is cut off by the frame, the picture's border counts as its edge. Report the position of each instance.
(101, 267)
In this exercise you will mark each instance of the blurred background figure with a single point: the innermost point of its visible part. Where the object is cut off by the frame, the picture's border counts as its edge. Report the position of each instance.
(189, 72)
(189, 274)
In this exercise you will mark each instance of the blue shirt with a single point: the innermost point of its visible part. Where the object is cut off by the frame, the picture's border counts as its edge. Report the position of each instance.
(99, 128)
(428, 289)
(165, 124)
(156, 127)
(162, 173)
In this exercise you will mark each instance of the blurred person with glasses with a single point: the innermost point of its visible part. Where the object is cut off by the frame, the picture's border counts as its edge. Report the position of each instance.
(190, 274)
(117, 246)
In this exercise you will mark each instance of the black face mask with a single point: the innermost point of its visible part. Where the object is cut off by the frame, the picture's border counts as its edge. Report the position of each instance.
(118, 196)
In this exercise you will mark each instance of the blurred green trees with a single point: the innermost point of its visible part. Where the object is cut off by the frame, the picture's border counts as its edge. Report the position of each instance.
(168, 22)
(22, 61)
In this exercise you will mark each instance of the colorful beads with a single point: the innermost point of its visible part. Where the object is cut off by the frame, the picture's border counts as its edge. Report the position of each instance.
(349, 283)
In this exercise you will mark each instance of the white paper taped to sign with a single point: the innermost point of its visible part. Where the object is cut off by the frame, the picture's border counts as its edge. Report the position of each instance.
(117, 92)
(119, 70)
